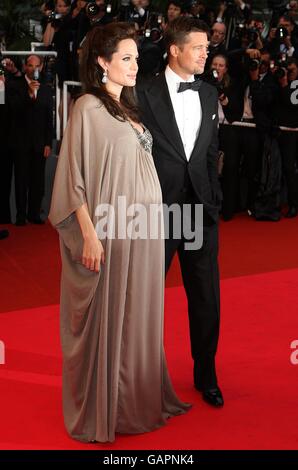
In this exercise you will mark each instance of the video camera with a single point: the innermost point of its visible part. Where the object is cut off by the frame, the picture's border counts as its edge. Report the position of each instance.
(55, 19)
(153, 29)
(281, 33)
(281, 64)
(211, 77)
(93, 10)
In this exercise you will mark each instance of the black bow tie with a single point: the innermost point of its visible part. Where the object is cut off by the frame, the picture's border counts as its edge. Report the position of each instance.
(189, 86)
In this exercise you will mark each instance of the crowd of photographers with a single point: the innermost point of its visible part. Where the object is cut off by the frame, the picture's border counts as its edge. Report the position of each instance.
(252, 62)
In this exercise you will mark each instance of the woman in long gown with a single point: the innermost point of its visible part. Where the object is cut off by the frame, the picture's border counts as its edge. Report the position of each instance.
(115, 378)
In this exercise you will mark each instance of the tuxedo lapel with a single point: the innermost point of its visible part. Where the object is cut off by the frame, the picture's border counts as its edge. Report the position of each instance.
(204, 95)
(161, 105)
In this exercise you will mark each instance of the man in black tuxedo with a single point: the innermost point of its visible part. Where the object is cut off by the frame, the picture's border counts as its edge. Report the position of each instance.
(30, 108)
(183, 123)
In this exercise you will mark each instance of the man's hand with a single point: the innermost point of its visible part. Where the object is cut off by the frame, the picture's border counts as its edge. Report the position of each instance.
(287, 42)
(33, 88)
(253, 53)
(254, 75)
(10, 66)
(47, 151)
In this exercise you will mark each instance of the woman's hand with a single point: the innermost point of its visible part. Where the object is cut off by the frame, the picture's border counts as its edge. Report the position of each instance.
(93, 253)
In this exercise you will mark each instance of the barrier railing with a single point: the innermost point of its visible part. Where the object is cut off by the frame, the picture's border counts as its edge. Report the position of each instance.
(66, 84)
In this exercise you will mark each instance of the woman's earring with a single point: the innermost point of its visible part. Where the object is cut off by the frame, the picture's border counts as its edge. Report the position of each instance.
(104, 77)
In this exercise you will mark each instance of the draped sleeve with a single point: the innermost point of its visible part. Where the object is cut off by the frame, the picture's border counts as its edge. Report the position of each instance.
(69, 192)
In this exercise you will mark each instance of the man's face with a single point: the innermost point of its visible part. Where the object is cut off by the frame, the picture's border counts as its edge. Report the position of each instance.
(173, 12)
(33, 63)
(292, 72)
(286, 24)
(191, 57)
(265, 62)
(218, 33)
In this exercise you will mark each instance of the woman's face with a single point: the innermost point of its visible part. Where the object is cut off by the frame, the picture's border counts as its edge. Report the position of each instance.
(219, 64)
(61, 7)
(122, 70)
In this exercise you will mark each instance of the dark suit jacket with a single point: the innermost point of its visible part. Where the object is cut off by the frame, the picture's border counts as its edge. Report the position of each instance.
(176, 174)
(30, 121)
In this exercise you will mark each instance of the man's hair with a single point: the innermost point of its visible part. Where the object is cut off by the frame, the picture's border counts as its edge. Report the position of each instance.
(179, 29)
(33, 55)
(177, 4)
(287, 17)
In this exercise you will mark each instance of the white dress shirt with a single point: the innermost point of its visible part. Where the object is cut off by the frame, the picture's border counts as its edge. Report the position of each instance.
(187, 109)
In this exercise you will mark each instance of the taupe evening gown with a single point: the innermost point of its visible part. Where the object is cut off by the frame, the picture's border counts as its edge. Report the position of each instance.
(115, 378)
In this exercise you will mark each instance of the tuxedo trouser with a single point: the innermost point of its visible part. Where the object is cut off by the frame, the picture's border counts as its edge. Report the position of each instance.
(200, 276)
(29, 168)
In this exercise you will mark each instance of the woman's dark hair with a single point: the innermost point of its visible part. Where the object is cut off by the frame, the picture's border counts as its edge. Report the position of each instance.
(103, 42)
(179, 29)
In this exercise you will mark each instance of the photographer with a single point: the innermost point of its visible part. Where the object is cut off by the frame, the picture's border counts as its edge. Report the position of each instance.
(96, 13)
(151, 48)
(282, 39)
(230, 95)
(60, 35)
(287, 115)
(30, 111)
(134, 11)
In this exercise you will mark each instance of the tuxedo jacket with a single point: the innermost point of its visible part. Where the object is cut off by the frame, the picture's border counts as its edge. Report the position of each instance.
(177, 174)
(30, 121)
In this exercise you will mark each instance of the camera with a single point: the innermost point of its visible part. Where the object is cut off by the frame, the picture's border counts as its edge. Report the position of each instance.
(36, 75)
(281, 70)
(55, 19)
(153, 29)
(281, 33)
(253, 65)
(211, 77)
(92, 9)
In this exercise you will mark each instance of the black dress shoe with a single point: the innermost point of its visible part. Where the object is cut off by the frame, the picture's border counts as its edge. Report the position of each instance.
(213, 396)
(292, 212)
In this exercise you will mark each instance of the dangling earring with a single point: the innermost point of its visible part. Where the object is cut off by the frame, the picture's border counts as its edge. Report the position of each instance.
(104, 77)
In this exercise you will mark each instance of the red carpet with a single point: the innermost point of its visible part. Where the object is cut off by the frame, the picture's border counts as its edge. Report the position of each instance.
(259, 322)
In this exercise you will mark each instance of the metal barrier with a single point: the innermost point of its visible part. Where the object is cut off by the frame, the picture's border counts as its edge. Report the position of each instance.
(66, 84)
(27, 53)
(37, 44)
(251, 124)
(235, 123)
